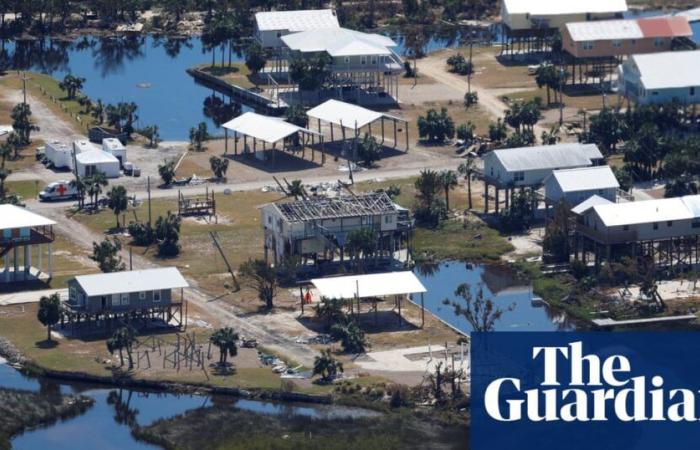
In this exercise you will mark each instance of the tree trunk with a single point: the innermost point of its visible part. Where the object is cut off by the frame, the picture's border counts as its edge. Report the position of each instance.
(48, 331)
(121, 357)
(469, 189)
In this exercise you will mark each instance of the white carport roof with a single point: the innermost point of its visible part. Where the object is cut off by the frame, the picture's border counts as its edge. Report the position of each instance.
(560, 7)
(131, 281)
(12, 216)
(299, 20)
(372, 285)
(265, 128)
(339, 42)
(347, 115)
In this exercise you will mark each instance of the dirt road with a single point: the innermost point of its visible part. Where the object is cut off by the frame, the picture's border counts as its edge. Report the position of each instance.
(435, 67)
(51, 127)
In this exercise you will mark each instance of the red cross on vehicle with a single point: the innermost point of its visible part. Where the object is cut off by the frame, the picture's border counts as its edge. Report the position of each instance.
(61, 189)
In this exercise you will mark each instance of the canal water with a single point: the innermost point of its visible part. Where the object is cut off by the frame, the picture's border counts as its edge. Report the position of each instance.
(105, 424)
(522, 311)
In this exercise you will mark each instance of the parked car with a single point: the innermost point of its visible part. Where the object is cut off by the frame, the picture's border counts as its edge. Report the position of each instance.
(58, 190)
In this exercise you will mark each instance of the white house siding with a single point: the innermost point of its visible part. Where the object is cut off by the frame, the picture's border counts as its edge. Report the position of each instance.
(639, 232)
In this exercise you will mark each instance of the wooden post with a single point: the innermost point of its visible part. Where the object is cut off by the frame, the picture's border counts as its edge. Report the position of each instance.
(406, 127)
(422, 310)
(225, 141)
(394, 133)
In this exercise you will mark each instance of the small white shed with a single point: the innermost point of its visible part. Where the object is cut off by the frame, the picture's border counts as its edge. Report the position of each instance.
(577, 185)
(60, 155)
(115, 147)
(89, 163)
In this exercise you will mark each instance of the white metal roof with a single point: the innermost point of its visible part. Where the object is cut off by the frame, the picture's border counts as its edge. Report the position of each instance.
(339, 42)
(266, 128)
(372, 285)
(95, 157)
(560, 156)
(301, 20)
(648, 211)
(83, 145)
(12, 216)
(599, 30)
(131, 281)
(559, 7)
(589, 203)
(667, 70)
(346, 114)
(585, 178)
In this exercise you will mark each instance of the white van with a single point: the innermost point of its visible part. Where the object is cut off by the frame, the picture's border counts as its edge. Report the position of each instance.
(58, 190)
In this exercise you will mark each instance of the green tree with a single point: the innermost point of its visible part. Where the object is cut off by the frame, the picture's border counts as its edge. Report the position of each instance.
(225, 340)
(606, 129)
(255, 58)
(167, 172)
(448, 179)
(465, 132)
(122, 339)
(471, 99)
(49, 312)
(94, 184)
(310, 74)
(369, 151)
(219, 166)
(21, 116)
(5, 152)
(466, 169)
(263, 278)
(482, 314)
(296, 189)
(362, 243)
(71, 85)
(330, 310)
(117, 201)
(167, 232)
(327, 366)
(106, 255)
(556, 238)
(198, 135)
(430, 209)
(497, 131)
(436, 127)
(151, 132)
(295, 114)
(351, 337)
(81, 187)
(98, 111)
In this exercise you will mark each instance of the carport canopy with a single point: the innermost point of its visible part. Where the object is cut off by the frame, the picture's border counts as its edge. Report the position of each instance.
(372, 285)
(265, 128)
(347, 115)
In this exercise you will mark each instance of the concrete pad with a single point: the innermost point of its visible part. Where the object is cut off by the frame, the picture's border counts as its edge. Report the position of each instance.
(413, 359)
(29, 296)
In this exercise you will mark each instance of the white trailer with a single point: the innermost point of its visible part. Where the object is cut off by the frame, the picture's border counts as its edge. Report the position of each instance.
(89, 163)
(59, 154)
(115, 147)
(83, 145)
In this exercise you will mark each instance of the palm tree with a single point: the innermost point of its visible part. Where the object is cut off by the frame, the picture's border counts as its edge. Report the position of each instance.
(122, 339)
(448, 179)
(117, 201)
(327, 366)
(79, 183)
(466, 169)
(71, 84)
(5, 152)
(94, 184)
(295, 189)
(225, 339)
(49, 312)
(98, 111)
(128, 112)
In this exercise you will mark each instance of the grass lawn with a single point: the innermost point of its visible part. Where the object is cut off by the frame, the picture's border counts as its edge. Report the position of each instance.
(45, 88)
(237, 73)
(26, 188)
(588, 101)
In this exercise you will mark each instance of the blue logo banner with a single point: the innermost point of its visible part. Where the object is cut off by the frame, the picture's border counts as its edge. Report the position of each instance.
(553, 391)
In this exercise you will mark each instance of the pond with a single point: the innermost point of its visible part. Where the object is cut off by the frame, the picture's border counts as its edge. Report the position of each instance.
(499, 284)
(107, 424)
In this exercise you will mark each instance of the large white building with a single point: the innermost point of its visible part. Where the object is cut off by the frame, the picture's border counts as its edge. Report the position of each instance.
(89, 163)
(553, 14)
(661, 77)
(271, 26)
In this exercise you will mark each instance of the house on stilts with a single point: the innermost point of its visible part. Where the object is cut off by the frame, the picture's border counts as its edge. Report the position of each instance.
(24, 234)
(317, 229)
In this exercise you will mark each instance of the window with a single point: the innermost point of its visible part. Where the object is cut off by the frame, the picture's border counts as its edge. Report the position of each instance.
(279, 34)
(588, 45)
(374, 60)
(156, 296)
(669, 223)
(387, 219)
(617, 43)
(695, 224)
(692, 90)
(347, 60)
(125, 299)
(658, 42)
(656, 226)
(626, 228)
(71, 294)
(633, 42)
(519, 176)
(142, 296)
(363, 60)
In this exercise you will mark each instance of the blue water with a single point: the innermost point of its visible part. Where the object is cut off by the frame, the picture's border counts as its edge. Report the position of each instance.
(147, 70)
(499, 285)
(104, 426)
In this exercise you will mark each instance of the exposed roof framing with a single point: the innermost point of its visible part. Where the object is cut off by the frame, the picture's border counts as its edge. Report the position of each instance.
(337, 207)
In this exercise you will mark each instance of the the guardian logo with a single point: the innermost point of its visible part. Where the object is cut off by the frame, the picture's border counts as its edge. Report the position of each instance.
(576, 386)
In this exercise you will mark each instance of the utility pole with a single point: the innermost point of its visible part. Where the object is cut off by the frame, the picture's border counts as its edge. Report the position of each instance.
(24, 87)
(150, 222)
(561, 96)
